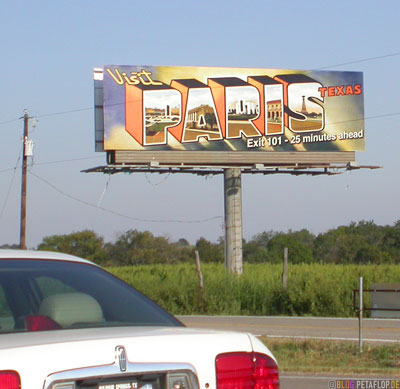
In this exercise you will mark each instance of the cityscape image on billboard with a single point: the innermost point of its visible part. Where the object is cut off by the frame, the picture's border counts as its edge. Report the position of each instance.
(159, 108)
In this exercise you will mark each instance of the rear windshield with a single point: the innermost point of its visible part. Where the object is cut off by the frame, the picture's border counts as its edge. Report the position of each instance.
(37, 295)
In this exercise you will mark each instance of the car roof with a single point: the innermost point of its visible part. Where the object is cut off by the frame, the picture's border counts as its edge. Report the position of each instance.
(34, 254)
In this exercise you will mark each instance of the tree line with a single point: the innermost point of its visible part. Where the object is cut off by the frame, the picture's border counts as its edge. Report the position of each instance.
(361, 242)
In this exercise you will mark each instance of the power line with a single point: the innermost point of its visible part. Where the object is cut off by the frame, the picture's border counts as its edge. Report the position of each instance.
(14, 120)
(9, 121)
(120, 214)
(9, 169)
(11, 182)
(382, 116)
(64, 112)
(359, 61)
(367, 118)
(55, 162)
(51, 114)
(67, 160)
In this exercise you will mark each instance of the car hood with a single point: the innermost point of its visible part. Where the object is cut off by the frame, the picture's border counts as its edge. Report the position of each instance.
(36, 355)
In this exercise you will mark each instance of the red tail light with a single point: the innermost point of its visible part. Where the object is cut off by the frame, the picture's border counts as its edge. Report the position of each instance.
(9, 380)
(246, 371)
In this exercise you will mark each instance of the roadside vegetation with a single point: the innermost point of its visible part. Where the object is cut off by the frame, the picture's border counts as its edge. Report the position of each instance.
(312, 289)
(333, 357)
(357, 243)
(323, 269)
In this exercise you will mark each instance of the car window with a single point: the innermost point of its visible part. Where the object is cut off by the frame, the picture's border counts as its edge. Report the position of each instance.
(6, 317)
(49, 295)
(49, 286)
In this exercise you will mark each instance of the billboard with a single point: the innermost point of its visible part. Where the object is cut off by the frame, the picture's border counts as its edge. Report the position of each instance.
(200, 109)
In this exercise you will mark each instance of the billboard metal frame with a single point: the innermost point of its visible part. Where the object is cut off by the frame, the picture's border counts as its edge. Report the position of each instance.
(295, 169)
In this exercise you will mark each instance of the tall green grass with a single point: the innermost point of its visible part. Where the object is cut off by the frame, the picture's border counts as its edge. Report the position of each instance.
(325, 356)
(313, 289)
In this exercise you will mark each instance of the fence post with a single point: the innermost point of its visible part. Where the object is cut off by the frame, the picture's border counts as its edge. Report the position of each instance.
(360, 316)
(285, 267)
(198, 269)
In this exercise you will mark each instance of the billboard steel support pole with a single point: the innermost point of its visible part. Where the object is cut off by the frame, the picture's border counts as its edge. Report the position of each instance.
(233, 220)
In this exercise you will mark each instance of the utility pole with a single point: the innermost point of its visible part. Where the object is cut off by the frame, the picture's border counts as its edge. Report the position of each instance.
(22, 235)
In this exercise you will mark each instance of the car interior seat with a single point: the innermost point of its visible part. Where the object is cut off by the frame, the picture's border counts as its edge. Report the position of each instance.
(71, 308)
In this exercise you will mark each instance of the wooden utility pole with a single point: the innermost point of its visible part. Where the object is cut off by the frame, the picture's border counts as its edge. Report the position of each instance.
(22, 235)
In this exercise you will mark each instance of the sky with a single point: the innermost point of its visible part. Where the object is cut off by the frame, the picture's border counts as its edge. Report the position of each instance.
(51, 47)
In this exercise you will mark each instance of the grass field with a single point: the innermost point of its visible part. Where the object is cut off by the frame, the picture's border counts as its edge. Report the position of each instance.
(334, 357)
(313, 289)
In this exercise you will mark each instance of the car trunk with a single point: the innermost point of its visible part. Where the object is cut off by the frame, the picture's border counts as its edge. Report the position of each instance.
(64, 355)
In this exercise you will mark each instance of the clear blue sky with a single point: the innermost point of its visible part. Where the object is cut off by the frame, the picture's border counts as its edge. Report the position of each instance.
(49, 49)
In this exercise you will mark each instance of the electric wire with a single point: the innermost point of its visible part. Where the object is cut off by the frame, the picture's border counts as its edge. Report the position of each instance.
(368, 118)
(359, 61)
(120, 214)
(64, 112)
(55, 162)
(11, 183)
(67, 160)
(157, 183)
(9, 121)
(104, 190)
(8, 169)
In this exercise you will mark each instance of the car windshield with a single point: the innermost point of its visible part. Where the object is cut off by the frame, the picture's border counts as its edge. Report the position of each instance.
(37, 295)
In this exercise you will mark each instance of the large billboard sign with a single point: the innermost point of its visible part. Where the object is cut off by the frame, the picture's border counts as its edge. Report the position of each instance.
(159, 108)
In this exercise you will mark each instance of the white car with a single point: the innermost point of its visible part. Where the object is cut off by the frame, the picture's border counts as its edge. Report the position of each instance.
(65, 323)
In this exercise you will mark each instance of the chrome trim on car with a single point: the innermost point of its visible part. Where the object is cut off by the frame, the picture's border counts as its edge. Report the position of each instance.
(120, 354)
(113, 371)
